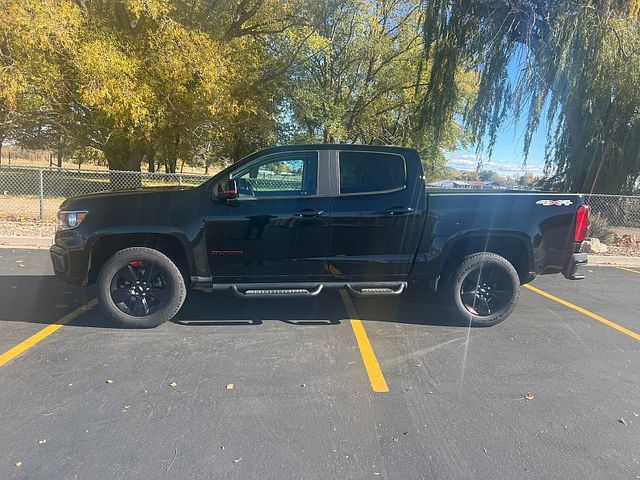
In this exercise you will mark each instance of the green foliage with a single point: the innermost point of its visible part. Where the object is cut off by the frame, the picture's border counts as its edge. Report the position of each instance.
(599, 227)
(579, 65)
(169, 82)
(174, 82)
(363, 79)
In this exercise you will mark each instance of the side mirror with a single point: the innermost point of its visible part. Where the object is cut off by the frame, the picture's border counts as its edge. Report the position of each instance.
(227, 190)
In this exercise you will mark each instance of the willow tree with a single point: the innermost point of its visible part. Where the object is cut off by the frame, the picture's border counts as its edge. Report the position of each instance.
(579, 66)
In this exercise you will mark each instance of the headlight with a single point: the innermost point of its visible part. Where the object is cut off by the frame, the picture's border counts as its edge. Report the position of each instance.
(70, 219)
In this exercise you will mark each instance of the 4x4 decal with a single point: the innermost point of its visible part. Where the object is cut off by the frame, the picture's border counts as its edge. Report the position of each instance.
(554, 203)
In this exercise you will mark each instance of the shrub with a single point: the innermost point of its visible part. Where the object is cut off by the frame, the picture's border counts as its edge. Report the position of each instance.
(599, 228)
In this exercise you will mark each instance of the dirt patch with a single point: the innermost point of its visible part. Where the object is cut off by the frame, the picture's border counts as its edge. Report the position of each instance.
(27, 229)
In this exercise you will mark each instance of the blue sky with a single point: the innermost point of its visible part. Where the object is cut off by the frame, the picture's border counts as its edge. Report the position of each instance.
(507, 156)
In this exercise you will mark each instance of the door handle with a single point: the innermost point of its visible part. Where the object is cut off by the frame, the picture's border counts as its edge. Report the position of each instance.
(393, 211)
(308, 212)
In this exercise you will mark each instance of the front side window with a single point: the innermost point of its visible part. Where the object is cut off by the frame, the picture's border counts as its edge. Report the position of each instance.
(279, 175)
(368, 172)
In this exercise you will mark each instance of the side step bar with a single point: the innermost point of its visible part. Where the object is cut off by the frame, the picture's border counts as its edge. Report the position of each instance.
(268, 291)
(310, 289)
(376, 289)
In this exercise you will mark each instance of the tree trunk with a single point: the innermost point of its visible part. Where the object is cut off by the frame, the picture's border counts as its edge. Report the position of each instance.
(124, 165)
(151, 160)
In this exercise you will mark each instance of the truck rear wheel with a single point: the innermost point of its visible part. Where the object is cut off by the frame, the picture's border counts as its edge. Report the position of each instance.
(140, 287)
(484, 289)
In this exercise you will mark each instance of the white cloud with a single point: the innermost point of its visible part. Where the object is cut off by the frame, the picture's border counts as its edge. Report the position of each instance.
(469, 162)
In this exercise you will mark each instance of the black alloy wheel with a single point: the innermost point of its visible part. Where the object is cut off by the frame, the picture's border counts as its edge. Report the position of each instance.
(483, 289)
(486, 290)
(140, 288)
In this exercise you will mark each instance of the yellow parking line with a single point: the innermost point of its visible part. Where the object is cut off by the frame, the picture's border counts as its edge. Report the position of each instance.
(376, 378)
(629, 270)
(586, 312)
(44, 333)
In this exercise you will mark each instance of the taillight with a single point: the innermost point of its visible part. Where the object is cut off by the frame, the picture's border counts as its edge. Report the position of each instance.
(582, 223)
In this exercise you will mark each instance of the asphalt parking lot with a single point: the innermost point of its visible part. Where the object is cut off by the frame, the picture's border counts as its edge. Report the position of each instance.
(322, 388)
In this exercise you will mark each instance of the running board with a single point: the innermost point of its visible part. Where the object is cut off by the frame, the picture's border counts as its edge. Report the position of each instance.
(377, 289)
(309, 289)
(265, 292)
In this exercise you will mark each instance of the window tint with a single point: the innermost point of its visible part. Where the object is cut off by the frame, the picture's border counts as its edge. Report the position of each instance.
(279, 175)
(370, 172)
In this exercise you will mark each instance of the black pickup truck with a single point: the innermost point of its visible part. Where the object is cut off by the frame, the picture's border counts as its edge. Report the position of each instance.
(292, 221)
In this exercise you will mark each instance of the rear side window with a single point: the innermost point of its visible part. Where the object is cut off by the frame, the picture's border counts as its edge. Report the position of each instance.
(365, 172)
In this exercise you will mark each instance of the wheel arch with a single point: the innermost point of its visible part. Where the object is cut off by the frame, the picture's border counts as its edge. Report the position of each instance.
(510, 246)
(171, 245)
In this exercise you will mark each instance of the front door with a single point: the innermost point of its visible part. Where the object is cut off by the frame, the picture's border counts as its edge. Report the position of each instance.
(276, 230)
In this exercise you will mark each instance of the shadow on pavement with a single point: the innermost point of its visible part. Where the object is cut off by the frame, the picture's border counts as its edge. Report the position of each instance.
(45, 299)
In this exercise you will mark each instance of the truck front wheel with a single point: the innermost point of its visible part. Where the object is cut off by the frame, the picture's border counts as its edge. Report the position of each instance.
(484, 289)
(140, 287)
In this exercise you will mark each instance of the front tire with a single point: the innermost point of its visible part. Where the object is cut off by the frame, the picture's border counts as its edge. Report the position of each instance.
(484, 289)
(140, 287)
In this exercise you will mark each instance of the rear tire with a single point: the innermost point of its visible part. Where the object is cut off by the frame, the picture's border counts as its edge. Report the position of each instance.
(483, 290)
(140, 287)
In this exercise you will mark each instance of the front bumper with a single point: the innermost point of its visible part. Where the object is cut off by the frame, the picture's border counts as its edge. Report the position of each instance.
(69, 265)
(576, 265)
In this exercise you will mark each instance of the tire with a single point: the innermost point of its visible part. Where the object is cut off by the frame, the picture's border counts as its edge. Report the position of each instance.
(117, 278)
(482, 282)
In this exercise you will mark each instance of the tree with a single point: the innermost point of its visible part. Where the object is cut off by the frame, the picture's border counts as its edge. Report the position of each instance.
(32, 32)
(580, 66)
(129, 78)
(364, 77)
(487, 175)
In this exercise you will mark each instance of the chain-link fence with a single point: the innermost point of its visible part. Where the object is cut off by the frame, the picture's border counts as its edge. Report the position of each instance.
(29, 194)
(615, 210)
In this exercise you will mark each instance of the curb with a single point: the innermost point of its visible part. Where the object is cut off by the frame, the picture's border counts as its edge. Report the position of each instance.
(32, 242)
(612, 261)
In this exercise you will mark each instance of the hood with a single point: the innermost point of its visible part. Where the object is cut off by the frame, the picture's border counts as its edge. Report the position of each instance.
(129, 195)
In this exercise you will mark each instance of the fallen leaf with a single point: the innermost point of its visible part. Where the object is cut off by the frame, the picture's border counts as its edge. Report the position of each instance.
(229, 386)
(108, 381)
(237, 460)
(622, 421)
(528, 396)
(42, 442)
(173, 384)
(18, 464)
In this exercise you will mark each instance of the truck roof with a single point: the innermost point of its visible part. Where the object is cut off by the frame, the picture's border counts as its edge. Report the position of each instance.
(335, 146)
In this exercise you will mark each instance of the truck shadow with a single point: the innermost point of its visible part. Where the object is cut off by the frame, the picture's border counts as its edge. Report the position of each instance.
(45, 299)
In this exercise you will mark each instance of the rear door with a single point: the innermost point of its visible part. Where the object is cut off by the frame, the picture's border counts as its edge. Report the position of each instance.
(276, 230)
(377, 215)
